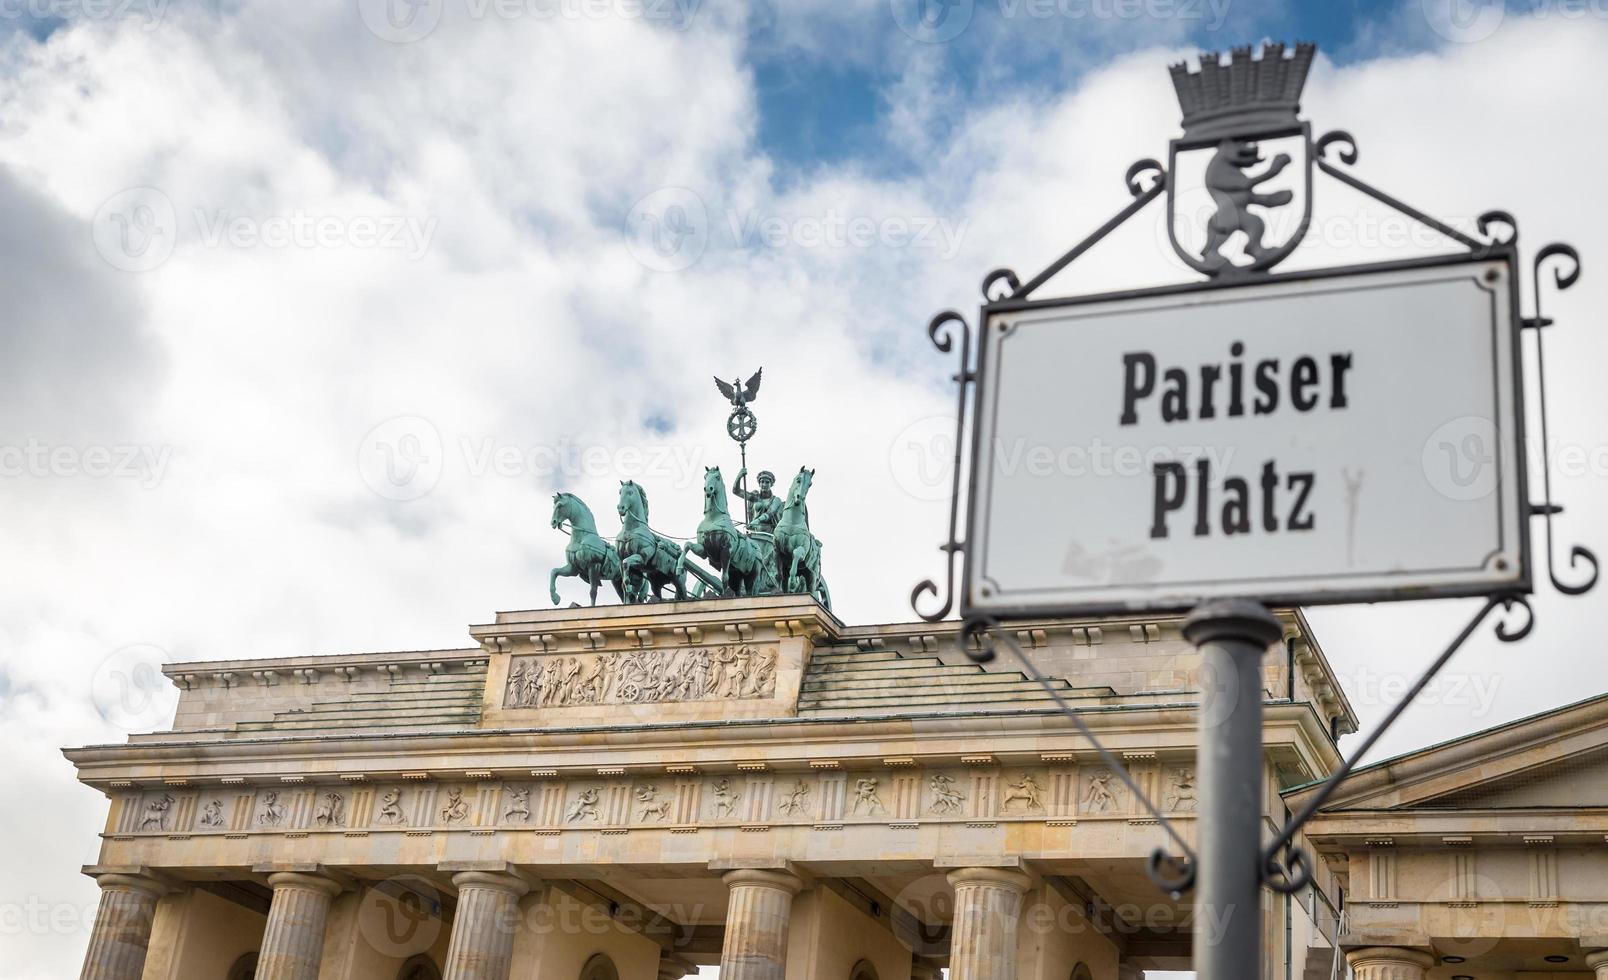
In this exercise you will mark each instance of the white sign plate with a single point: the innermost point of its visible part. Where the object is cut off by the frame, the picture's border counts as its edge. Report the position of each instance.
(1345, 436)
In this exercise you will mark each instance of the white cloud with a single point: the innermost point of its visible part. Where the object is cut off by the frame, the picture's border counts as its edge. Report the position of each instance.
(527, 322)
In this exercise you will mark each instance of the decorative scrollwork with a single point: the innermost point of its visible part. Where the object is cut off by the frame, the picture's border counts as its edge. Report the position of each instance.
(929, 587)
(1565, 272)
(1138, 169)
(1563, 280)
(1492, 219)
(1288, 870)
(1578, 554)
(1503, 632)
(1348, 156)
(996, 277)
(942, 338)
(1170, 872)
(941, 331)
(976, 642)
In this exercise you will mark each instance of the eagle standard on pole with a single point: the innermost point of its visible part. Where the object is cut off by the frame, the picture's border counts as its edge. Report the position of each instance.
(741, 425)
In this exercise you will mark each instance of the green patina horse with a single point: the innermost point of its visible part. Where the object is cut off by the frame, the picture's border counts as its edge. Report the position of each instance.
(798, 552)
(719, 542)
(649, 562)
(588, 555)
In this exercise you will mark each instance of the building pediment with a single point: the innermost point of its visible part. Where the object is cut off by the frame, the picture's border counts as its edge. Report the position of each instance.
(1579, 782)
(1556, 759)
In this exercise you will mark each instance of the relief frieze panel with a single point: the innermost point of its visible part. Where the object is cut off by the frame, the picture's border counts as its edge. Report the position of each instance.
(735, 671)
(551, 803)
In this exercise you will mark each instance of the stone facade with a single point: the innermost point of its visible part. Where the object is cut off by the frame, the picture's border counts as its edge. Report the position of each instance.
(1486, 856)
(629, 792)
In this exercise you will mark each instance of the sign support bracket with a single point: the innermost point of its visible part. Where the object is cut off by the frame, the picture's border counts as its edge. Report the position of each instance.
(1286, 868)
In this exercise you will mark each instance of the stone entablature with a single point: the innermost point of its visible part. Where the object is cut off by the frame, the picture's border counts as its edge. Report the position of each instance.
(1062, 790)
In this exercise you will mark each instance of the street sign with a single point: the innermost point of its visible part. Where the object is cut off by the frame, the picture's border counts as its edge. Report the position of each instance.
(1350, 435)
(1261, 438)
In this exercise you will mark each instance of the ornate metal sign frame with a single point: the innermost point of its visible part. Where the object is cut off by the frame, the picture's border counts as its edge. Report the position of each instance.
(1264, 109)
(1263, 101)
(977, 587)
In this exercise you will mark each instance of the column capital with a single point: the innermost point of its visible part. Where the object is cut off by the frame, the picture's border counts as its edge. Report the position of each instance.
(307, 880)
(1597, 960)
(1389, 963)
(763, 878)
(1008, 878)
(503, 881)
(134, 882)
(490, 874)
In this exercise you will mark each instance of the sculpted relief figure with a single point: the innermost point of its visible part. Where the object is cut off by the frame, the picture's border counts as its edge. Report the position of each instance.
(455, 809)
(720, 671)
(1101, 798)
(331, 811)
(568, 681)
(865, 797)
(156, 813)
(762, 678)
(651, 806)
(212, 814)
(1181, 790)
(945, 797)
(585, 806)
(519, 672)
(518, 804)
(641, 677)
(1026, 791)
(796, 800)
(273, 812)
(391, 807)
(592, 683)
(725, 798)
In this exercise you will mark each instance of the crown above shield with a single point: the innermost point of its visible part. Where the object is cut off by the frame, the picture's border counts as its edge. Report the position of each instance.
(1249, 96)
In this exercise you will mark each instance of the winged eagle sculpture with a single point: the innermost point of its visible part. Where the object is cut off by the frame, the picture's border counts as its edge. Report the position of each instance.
(738, 393)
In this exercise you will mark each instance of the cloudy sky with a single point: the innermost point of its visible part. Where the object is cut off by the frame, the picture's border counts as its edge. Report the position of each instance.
(307, 314)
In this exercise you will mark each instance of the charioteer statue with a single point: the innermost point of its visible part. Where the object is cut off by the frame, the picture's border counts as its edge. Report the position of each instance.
(765, 508)
(773, 551)
(764, 513)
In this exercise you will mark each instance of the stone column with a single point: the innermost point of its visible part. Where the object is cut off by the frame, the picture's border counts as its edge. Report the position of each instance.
(1598, 961)
(293, 942)
(1389, 963)
(758, 908)
(482, 945)
(122, 927)
(988, 902)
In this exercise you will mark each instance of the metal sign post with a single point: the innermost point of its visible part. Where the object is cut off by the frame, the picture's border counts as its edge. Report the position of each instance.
(1338, 435)
(1233, 636)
